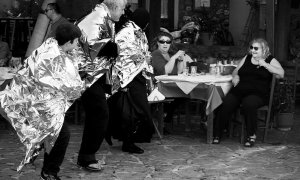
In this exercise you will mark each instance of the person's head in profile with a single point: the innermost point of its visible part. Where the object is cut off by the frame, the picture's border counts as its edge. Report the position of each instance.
(116, 8)
(67, 36)
(141, 17)
(52, 11)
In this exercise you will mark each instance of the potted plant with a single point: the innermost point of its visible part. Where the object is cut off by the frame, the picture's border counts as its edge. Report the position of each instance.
(284, 102)
(208, 25)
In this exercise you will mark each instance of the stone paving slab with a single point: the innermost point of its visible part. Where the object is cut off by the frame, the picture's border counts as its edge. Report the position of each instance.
(176, 157)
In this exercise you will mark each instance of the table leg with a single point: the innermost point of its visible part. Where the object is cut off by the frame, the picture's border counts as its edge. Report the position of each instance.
(160, 119)
(210, 125)
(187, 117)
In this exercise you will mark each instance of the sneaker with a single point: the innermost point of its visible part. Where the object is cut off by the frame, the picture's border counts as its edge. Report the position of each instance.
(90, 166)
(46, 176)
(216, 140)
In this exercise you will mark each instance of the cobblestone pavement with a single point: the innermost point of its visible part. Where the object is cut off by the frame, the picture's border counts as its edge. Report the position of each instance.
(178, 156)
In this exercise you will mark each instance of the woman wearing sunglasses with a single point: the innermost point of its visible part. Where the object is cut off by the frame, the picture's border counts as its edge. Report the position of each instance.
(251, 80)
(167, 61)
(164, 60)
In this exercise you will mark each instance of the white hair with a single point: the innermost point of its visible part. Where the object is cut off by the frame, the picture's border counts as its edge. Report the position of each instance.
(113, 4)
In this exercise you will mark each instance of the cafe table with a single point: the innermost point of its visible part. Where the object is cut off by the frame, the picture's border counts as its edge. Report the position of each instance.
(210, 88)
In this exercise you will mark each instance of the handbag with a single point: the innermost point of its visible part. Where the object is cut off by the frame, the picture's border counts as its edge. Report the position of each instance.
(123, 115)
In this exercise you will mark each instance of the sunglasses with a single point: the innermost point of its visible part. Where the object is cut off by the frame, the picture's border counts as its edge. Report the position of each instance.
(46, 10)
(162, 42)
(255, 48)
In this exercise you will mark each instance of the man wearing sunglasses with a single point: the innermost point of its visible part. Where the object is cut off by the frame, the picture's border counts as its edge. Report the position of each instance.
(53, 12)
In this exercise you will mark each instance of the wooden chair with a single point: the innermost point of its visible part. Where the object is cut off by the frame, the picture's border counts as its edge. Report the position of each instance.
(157, 113)
(291, 73)
(267, 110)
(286, 93)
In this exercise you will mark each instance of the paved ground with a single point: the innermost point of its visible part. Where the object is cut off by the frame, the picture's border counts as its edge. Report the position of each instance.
(178, 156)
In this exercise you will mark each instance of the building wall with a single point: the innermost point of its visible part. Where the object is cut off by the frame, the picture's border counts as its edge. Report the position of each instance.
(239, 11)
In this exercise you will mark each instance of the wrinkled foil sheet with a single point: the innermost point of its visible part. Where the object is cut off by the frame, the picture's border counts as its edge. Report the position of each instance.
(90, 70)
(97, 29)
(133, 54)
(38, 97)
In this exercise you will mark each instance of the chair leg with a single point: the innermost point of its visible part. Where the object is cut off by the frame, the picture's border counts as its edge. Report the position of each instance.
(243, 131)
(266, 126)
(157, 118)
(160, 122)
(231, 128)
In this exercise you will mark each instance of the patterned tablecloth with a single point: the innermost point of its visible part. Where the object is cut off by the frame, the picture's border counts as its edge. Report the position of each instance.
(210, 88)
(188, 83)
(196, 87)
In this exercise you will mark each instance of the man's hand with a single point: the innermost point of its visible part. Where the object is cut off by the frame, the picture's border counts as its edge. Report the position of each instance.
(235, 80)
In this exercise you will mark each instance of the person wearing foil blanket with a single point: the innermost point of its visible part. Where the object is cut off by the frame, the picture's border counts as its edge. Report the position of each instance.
(67, 36)
(129, 110)
(98, 30)
(36, 100)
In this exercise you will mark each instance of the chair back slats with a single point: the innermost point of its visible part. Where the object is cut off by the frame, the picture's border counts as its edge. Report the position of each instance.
(273, 83)
(290, 73)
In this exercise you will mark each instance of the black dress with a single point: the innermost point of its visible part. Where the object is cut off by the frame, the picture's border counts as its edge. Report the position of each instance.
(254, 80)
(251, 92)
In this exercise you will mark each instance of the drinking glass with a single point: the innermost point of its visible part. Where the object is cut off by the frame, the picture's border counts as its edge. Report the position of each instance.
(193, 70)
(185, 71)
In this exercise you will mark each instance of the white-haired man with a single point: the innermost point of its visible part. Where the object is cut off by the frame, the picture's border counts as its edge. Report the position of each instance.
(98, 29)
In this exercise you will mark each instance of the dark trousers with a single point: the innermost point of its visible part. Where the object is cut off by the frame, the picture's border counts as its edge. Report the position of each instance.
(231, 102)
(138, 92)
(54, 159)
(96, 121)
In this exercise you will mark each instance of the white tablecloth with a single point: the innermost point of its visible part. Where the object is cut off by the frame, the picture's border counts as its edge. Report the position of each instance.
(188, 83)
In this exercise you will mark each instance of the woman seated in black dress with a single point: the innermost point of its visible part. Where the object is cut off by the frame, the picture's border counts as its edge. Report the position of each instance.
(251, 81)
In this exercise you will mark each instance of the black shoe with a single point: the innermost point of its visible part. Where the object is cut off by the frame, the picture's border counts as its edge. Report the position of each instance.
(250, 141)
(90, 166)
(108, 140)
(132, 148)
(45, 176)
